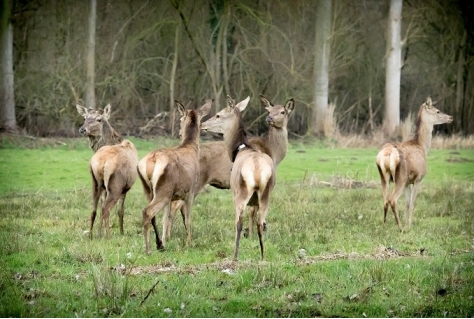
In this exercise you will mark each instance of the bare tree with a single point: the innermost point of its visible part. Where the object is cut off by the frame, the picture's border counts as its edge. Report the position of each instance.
(90, 84)
(393, 70)
(321, 66)
(7, 96)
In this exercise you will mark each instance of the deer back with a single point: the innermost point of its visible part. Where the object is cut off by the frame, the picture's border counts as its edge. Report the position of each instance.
(121, 160)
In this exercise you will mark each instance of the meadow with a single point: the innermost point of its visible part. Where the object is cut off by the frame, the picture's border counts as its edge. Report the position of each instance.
(328, 252)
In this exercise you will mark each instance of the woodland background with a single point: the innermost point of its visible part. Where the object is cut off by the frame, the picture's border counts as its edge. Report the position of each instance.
(204, 49)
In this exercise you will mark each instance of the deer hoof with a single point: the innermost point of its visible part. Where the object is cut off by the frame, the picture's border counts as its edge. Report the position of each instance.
(264, 226)
(246, 233)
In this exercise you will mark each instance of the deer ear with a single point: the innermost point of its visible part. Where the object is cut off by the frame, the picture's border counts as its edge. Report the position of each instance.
(243, 104)
(290, 105)
(428, 101)
(204, 110)
(180, 107)
(265, 102)
(229, 103)
(81, 110)
(106, 113)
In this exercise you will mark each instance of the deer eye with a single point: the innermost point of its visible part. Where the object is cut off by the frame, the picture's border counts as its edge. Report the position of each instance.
(217, 116)
(437, 111)
(282, 112)
(99, 120)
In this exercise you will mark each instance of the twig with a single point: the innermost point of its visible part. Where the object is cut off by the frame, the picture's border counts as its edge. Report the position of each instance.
(149, 292)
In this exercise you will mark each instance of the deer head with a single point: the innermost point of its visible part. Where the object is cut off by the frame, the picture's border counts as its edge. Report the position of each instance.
(431, 115)
(222, 121)
(277, 114)
(93, 120)
(188, 116)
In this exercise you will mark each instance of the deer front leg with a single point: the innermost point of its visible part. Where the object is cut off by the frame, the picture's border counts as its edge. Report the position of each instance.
(411, 207)
(187, 207)
(166, 222)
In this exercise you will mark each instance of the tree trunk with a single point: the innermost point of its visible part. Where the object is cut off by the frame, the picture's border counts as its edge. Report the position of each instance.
(393, 70)
(7, 90)
(321, 66)
(90, 85)
(173, 79)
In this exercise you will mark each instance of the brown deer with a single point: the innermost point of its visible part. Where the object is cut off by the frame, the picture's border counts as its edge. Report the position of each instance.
(214, 163)
(113, 166)
(274, 144)
(114, 171)
(97, 128)
(172, 174)
(253, 174)
(404, 163)
(100, 132)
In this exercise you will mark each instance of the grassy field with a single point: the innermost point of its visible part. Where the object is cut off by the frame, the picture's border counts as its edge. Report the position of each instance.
(327, 251)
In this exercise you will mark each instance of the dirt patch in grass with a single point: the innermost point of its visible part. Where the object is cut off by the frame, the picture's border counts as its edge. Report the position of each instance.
(229, 266)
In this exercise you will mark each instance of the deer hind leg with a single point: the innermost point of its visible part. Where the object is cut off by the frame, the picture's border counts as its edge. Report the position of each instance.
(239, 212)
(111, 200)
(411, 205)
(121, 212)
(393, 202)
(252, 217)
(263, 207)
(385, 181)
(96, 193)
(149, 213)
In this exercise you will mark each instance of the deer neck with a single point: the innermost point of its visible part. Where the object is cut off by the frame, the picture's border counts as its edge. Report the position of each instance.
(108, 137)
(423, 136)
(277, 142)
(235, 139)
(191, 136)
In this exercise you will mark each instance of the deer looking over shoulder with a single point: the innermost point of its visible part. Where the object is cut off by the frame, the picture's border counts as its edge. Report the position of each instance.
(172, 174)
(253, 172)
(113, 166)
(97, 128)
(405, 163)
(215, 165)
(274, 144)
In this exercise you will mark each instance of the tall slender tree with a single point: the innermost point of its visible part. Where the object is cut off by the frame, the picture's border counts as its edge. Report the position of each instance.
(90, 61)
(321, 66)
(7, 96)
(393, 69)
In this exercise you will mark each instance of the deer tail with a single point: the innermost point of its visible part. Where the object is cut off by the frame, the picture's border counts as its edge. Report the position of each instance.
(394, 161)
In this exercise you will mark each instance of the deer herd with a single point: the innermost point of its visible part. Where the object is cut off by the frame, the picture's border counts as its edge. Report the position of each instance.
(172, 177)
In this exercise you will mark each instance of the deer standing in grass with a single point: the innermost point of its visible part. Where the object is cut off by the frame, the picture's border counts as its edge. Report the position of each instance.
(274, 144)
(113, 166)
(172, 174)
(215, 165)
(404, 163)
(253, 172)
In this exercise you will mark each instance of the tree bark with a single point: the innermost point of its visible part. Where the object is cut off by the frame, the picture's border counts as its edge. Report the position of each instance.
(7, 90)
(90, 61)
(393, 70)
(321, 66)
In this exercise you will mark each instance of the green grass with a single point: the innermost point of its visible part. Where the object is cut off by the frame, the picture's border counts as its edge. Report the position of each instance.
(354, 265)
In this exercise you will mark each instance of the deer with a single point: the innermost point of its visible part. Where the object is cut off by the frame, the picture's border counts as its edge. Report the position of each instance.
(252, 174)
(171, 174)
(113, 166)
(215, 165)
(274, 144)
(97, 127)
(405, 163)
